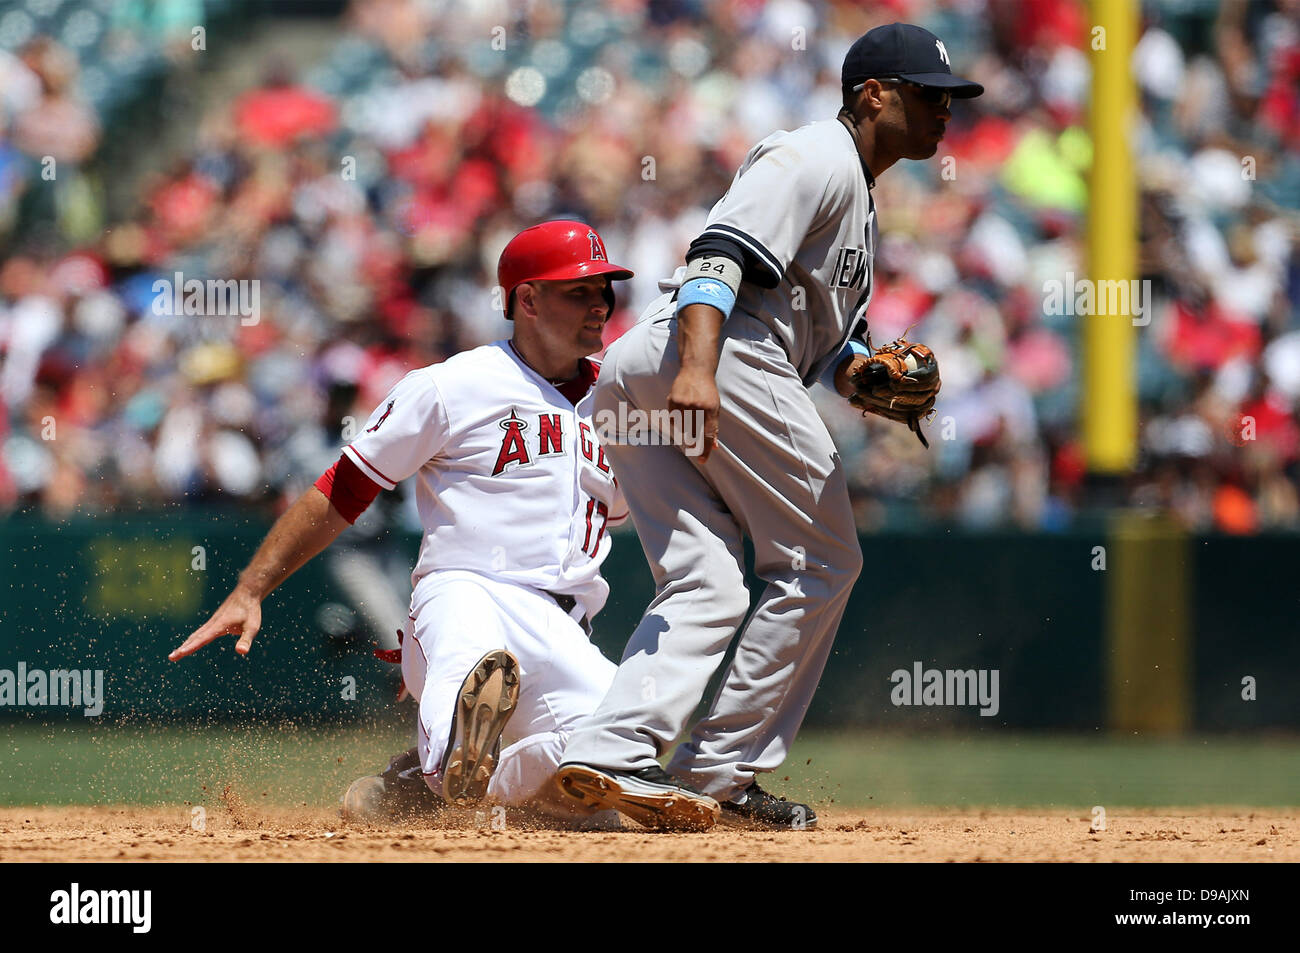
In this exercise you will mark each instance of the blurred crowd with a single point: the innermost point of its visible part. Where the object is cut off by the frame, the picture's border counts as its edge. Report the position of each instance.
(371, 192)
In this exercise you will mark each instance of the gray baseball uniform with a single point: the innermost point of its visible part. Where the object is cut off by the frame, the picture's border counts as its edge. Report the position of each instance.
(801, 207)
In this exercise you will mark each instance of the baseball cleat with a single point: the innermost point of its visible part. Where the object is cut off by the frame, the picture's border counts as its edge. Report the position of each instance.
(652, 797)
(763, 811)
(399, 793)
(485, 702)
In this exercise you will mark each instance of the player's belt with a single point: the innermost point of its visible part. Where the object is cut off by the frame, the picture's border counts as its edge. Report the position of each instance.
(568, 604)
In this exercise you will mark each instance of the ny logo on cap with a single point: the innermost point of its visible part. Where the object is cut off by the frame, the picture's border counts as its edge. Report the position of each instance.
(943, 52)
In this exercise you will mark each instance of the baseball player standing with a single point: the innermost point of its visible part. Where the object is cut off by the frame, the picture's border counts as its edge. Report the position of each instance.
(768, 304)
(515, 497)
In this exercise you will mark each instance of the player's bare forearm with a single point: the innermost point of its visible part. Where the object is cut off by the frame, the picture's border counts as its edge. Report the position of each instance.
(699, 327)
(694, 392)
(844, 374)
(304, 530)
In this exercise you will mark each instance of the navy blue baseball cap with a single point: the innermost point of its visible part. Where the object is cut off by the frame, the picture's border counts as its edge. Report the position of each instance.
(907, 52)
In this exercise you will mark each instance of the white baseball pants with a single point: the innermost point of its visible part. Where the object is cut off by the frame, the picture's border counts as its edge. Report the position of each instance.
(458, 617)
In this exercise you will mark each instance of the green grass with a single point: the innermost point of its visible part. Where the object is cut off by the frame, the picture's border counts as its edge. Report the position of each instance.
(82, 763)
(1043, 770)
(79, 763)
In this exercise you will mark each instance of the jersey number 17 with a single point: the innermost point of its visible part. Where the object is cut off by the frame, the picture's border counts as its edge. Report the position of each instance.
(600, 510)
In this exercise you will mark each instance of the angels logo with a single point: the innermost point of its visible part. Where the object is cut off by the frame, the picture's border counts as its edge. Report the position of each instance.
(387, 410)
(513, 448)
(597, 249)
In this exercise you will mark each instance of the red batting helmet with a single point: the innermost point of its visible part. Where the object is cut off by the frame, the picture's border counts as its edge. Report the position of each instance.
(555, 251)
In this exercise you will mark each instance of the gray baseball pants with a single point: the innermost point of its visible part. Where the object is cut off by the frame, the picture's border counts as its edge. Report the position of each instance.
(775, 477)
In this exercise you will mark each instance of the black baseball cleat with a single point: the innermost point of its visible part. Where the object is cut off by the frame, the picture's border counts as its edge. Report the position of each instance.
(651, 796)
(484, 704)
(398, 794)
(764, 811)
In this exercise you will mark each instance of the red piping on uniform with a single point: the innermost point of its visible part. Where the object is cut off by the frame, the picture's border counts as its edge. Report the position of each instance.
(363, 459)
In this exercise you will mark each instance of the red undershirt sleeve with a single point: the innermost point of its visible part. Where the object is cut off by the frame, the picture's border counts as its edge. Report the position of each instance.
(349, 490)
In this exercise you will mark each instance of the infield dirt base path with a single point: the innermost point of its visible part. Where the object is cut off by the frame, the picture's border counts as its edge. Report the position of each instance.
(234, 831)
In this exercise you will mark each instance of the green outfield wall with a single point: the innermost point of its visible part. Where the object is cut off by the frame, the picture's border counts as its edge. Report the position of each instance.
(1131, 628)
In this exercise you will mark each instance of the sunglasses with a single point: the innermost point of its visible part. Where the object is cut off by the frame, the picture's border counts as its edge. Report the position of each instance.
(933, 95)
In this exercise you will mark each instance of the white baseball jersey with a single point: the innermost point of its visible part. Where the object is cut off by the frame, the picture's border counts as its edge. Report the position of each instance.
(510, 480)
(801, 204)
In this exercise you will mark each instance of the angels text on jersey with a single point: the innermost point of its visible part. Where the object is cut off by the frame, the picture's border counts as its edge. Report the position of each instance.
(510, 480)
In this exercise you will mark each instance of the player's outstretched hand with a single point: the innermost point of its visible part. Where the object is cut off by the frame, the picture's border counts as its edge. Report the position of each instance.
(240, 614)
(695, 394)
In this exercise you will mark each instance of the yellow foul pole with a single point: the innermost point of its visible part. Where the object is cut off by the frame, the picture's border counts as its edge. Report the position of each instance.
(1109, 340)
(1148, 637)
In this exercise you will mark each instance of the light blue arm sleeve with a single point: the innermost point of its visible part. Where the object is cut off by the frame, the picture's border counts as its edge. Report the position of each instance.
(854, 346)
(701, 290)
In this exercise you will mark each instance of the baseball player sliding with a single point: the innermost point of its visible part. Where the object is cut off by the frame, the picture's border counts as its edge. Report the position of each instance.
(515, 497)
(772, 294)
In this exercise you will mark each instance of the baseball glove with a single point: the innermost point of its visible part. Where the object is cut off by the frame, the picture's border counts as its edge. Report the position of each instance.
(900, 382)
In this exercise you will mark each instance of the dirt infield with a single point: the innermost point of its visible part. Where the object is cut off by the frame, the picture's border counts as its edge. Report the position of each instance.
(237, 832)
